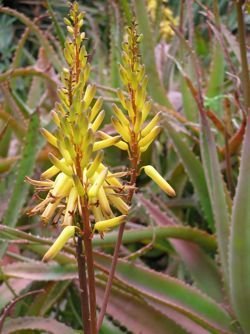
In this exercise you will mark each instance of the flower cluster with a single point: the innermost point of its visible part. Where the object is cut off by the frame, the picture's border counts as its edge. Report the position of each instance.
(78, 179)
(137, 134)
(167, 18)
(82, 194)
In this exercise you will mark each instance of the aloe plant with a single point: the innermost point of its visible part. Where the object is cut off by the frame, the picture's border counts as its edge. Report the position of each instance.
(184, 264)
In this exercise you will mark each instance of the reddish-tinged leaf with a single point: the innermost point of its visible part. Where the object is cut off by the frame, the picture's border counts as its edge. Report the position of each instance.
(36, 323)
(239, 246)
(200, 265)
(39, 271)
(136, 315)
(18, 285)
(170, 292)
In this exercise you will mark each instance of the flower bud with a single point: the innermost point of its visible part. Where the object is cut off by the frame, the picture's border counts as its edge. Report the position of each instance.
(50, 172)
(96, 108)
(49, 137)
(117, 202)
(60, 164)
(98, 121)
(148, 128)
(99, 180)
(122, 129)
(89, 95)
(71, 205)
(104, 203)
(159, 180)
(149, 138)
(67, 233)
(120, 144)
(99, 145)
(105, 225)
(95, 164)
(119, 114)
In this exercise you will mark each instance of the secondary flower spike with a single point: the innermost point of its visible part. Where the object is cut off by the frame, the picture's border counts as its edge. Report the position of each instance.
(131, 118)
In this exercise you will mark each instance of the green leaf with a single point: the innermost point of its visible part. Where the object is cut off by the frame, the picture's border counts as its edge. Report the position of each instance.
(125, 7)
(109, 328)
(136, 315)
(39, 271)
(194, 170)
(20, 190)
(43, 302)
(179, 232)
(36, 323)
(58, 29)
(39, 34)
(115, 46)
(6, 293)
(198, 263)
(155, 86)
(170, 292)
(189, 104)
(217, 191)
(239, 246)
(216, 78)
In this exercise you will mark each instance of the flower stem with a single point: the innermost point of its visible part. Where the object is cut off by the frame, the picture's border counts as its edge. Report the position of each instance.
(83, 286)
(110, 276)
(134, 165)
(87, 236)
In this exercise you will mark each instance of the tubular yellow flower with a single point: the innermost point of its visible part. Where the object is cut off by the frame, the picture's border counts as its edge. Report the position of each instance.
(159, 180)
(104, 203)
(70, 208)
(120, 144)
(146, 109)
(78, 185)
(96, 109)
(95, 164)
(62, 185)
(97, 212)
(149, 138)
(149, 127)
(99, 145)
(119, 114)
(122, 129)
(98, 121)
(61, 165)
(99, 180)
(50, 172)
(89, 95)
(49, 211)
(117, 202)
(67, 233)
(105, 225)
(49, 137)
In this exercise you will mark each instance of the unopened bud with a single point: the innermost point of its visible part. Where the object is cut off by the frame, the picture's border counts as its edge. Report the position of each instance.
(67, 233)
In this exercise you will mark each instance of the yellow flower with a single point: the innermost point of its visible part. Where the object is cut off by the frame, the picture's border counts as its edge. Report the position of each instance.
(159, 180)
(67, 233)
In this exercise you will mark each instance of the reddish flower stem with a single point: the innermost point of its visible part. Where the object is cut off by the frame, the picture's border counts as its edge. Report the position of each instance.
(83, 286)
